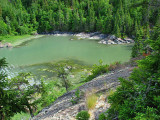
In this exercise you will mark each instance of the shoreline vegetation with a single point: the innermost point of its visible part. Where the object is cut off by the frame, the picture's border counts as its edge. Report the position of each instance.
(12, 41)
(16, 40)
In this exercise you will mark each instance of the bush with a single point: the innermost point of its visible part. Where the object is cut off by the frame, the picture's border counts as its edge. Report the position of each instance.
(83, 115)
(102, 116)
(97, 70)
(75, 99)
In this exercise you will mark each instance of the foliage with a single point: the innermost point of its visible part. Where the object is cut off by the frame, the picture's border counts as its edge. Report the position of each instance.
(75, 99)
(102, 116)
(16, 93)
(97, 70)
(19, 96)
(114, 66)
(48, 93)
(21, 116)
(119, 17)
(63, 72)
(138, 98)
(91, 101)
(83, 115)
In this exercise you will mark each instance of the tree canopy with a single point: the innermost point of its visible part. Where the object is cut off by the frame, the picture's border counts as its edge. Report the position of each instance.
(120, 17)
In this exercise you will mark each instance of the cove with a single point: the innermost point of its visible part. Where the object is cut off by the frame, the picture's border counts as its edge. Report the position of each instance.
(57, 48)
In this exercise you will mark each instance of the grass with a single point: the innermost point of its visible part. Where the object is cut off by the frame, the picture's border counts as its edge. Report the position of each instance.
(21, 116)
(91, 101)
(13, 39)
(18, 39)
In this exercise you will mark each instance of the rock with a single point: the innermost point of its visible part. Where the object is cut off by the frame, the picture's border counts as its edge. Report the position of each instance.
(103, 42)
(119, 39)
(129, 40)
(111, 42)
(112, 37)
(8, 45)
(63, 109)
(1, 45)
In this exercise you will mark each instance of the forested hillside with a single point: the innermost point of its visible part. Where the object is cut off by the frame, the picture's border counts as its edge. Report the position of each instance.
(119, 17)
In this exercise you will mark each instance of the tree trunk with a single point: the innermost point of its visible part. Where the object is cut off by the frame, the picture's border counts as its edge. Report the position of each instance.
(65, 83)
(30, 109)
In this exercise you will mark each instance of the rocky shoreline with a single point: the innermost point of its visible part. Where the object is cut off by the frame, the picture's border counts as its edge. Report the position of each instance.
(5, 45)
(103, 38)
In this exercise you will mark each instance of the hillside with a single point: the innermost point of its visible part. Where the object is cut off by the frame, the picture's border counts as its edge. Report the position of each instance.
(119, 17)
(101, 91)
(63, 109)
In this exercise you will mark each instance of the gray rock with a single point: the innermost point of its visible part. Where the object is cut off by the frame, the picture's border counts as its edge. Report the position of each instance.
(111, 42)
(63, 107)
(112, 37)
(103, 42)
(129, 40)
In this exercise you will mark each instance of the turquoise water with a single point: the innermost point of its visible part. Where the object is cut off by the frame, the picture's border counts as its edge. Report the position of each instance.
(56, 48)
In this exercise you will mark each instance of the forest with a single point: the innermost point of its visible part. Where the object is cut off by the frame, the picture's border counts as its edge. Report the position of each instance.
(137, 98)
(119, 17)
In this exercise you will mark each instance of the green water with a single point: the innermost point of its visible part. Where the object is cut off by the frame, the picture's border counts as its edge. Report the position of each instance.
(52, 48)
(35, 55)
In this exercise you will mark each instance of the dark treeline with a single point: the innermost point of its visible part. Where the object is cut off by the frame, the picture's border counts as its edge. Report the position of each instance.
(119, 17)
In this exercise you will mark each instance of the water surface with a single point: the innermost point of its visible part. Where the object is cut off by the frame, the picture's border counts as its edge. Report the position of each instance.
(55, 48)
(58, 48)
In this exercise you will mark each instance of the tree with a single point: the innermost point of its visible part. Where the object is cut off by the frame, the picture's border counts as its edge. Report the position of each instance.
(3, 28)
(62, 74)
(138, 97)
(15, 94)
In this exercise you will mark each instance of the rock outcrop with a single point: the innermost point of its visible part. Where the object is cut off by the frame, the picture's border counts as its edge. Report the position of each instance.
(112, 39)
(104, 38)
(63, 109)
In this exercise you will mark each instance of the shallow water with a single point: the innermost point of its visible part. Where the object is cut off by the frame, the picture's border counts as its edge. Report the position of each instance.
(58, 48)
(55, 48)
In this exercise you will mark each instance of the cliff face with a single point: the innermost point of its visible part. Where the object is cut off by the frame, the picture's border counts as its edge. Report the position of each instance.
(63, 109)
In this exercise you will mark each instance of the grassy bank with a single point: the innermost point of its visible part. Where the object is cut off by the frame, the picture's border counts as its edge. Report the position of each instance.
(16, 40)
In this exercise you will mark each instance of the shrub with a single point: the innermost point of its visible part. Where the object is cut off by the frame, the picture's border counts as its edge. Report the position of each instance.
(97, 70)
(83, 115)
(75, 99)
(102, 116)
